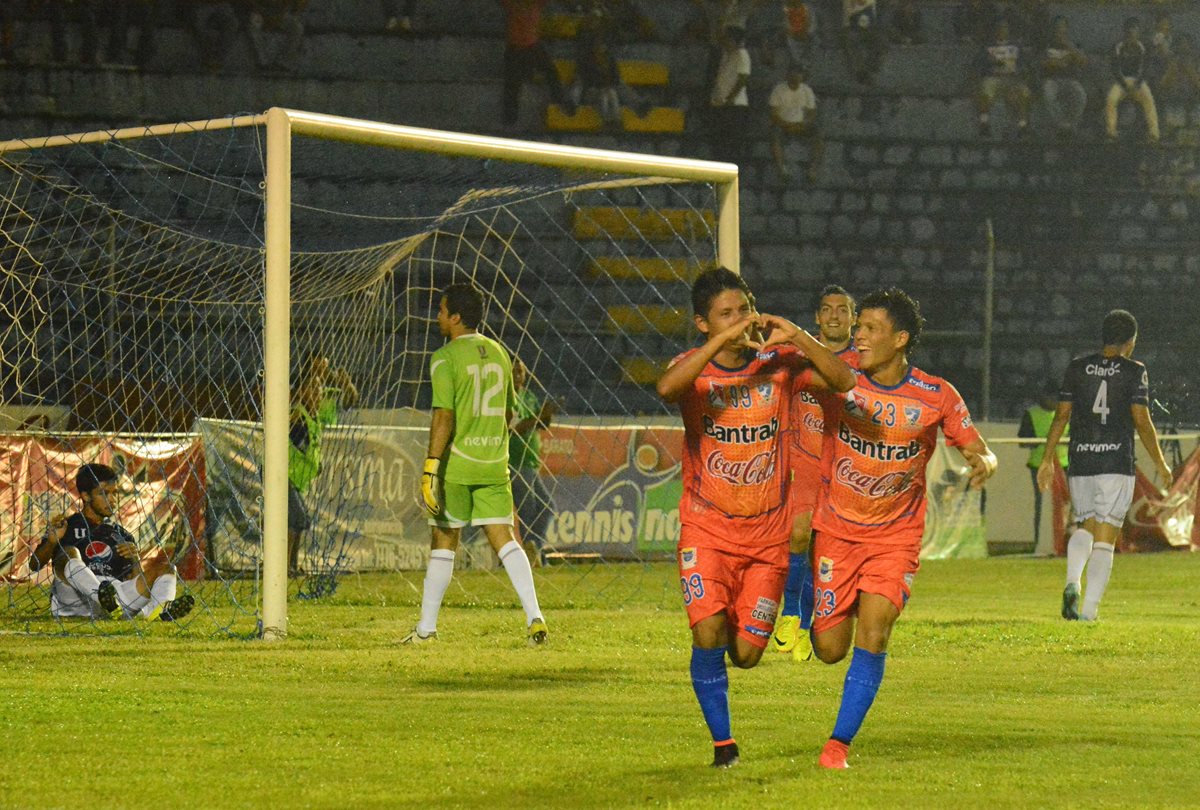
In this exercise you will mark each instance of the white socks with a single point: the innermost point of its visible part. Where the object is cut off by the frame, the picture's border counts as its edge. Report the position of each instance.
(1099, 568)
(1079, 548)
(162, 591)
(437, 580)
(85, 583)
(513, 558)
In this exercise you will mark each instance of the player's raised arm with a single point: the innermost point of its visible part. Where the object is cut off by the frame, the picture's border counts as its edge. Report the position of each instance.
(982, 461)
(1149, 436)
(832, 371)
(1045, 473)
(678, 378)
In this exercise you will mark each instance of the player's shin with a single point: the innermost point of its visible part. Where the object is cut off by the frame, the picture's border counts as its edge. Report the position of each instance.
(807, 596)
(710, 680)
(516, 565)
(1079, 548)
(437, 580)
(1099, 569)
(793, 588)
(161, 592)
(858, 693)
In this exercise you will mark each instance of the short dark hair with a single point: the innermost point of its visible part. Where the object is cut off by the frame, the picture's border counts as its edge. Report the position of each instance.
(1119, 328)
(711, 283)
(902, 309)
(465, 301)
(832, 289)
(90, 476)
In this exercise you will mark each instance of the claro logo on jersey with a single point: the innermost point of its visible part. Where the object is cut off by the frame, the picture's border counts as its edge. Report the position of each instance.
(741, 434)
(878, 450)
(1101, 371)
(749, 472)
(873, 486)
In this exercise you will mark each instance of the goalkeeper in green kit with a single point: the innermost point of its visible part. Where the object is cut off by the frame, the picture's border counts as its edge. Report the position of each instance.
(465, 480)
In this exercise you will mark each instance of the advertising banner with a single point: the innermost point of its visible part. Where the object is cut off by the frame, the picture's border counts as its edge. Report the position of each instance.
(162, 486)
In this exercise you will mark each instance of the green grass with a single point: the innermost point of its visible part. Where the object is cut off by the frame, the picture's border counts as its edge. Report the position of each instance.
(990, 701)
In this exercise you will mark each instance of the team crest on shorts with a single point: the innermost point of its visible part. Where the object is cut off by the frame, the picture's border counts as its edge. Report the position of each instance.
(687, 559)
(908, 579)
(913, 415)
(825, 569)
(765, 611)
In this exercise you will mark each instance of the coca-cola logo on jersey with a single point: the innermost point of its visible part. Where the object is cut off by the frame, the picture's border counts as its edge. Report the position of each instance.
(873, 486)
(751, 472)
(814, 423)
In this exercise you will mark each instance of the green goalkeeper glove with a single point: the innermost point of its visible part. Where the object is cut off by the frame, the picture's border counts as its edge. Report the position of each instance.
(429, 486)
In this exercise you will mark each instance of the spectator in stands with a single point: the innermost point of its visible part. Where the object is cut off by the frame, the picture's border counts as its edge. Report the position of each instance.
(284, 18)
(1035, 424)
(906, 27)
(598, 78)
(729, 101)
(214, 24)
(399, 16)
(1129, 64)
(321, 394)
(81, 12)
(1181, 80)
(1161, 45)
(1031, 24)
(1062, 64)
(861, 40)
(98, 571)
(1001, 73)
(975, 20)
(535, 506)
(714, 18)
(794, 32)
(147, 15)
(794, 115)
(526, 57)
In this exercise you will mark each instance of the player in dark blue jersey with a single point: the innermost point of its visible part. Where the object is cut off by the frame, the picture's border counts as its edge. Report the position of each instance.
(97, 568)
(1105, 396)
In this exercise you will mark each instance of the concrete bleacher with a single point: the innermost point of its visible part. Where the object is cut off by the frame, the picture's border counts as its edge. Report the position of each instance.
(901, 196)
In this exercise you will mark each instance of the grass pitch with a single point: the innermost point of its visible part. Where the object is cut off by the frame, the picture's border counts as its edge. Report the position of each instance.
(989, 700)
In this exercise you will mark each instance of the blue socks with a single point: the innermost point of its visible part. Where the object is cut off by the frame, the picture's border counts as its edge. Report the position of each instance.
(711, 682)
(862, 682)
(808, 598)
(793, 588)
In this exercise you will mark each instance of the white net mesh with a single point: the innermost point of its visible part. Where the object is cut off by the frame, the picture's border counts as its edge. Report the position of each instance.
(132, 335)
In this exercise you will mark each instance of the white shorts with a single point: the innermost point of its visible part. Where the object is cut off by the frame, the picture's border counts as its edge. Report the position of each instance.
(66, 601)
(1103, 497)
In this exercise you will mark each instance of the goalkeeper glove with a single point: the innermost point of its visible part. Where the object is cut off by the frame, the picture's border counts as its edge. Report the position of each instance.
(429, 485)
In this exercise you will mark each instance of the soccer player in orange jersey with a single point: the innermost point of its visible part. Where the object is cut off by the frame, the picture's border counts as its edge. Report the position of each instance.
(835, 321)
(734, 395)
(869, 518)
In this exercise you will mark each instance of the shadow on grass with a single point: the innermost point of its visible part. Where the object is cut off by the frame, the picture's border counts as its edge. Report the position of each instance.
(491, 681)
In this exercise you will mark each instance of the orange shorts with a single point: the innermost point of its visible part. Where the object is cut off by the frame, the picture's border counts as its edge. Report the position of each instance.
(842, 570)
(746, 588)
(806, 483)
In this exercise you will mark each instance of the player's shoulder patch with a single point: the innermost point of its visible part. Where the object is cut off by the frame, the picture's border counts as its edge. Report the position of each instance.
(924, 382)
(677, 358)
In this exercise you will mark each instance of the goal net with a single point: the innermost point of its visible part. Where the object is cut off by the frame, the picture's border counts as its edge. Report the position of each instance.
(237, 313)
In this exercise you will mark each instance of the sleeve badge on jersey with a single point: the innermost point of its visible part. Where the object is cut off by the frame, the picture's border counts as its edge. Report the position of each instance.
(912, 415)
(856, 404)
(825, 569)
(966, 422)
(687, 559)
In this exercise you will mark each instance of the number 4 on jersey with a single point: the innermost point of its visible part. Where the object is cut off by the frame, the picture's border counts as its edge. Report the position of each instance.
(1100, 406)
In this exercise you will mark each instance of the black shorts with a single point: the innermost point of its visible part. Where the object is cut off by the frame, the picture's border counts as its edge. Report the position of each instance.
(297, 514)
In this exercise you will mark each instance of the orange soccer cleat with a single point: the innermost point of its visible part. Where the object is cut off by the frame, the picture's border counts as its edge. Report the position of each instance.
(834, 754)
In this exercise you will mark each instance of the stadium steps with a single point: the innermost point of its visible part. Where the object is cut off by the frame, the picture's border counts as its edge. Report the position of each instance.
(627, 222)
(633, 72)
(657, 120)
(655, 270)
(652, 318)
(642, 370)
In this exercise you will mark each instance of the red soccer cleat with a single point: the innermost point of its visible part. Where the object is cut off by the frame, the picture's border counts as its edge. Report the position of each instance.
(834, 754)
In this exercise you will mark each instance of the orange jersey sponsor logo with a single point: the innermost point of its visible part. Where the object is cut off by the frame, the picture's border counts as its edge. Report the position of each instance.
(877, 445)
(735, 421)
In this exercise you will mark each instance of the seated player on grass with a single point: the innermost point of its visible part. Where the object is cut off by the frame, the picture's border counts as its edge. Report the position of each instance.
(98, 571)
